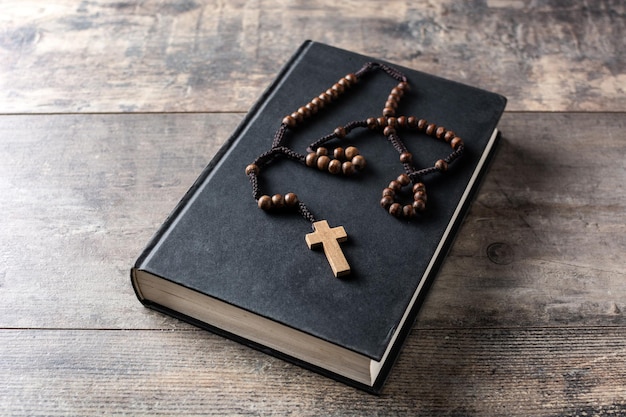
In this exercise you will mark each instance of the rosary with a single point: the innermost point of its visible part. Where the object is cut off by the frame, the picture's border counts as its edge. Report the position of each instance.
(349, 161)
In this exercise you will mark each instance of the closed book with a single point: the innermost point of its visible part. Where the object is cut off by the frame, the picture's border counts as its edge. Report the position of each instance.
(222, 263)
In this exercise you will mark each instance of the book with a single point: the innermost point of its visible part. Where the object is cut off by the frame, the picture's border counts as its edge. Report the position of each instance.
(221, 263)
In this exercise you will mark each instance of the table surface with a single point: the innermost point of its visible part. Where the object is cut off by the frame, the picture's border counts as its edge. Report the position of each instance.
(109, 111)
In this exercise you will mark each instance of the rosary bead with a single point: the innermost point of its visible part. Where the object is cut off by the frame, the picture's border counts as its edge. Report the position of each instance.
(389, 131)
(325, 98)
(441, 165)
(388, 192)
(395, 209)
(351, 152)
(386, 202)
(347, 168)
(391, 121)
(382, 121)
(252, 169)
(412, 121)
(401, 121)
(351, 78)
(265, 202)
(406, 157)
(297, 116)
(291, 199)
(419, 187)
(408, 211)
(403, 86)
(449, 136)
(338, 88)
(397, 92)
(289, 121)
(392, 101)
(456, 142)
(322, 162)
(311, 159)
(421, 124)
(359, 162)
(278, 201)
(304, 112)
(340, 132)
(388, 111)
(420, 196)
(317, 102)
(440, 132)
(403, 179)
(419, 205)
(344, 83)
(334, 166)
(395, 185)
(339, 153)
(321, 151)
(430, 129)
(312, 108)
(334, 94)
(371, 123)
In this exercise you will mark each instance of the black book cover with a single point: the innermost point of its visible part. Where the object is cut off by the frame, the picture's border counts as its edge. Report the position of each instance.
(218, 243)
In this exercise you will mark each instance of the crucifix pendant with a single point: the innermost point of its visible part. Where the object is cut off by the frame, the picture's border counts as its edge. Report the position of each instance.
(328, 239)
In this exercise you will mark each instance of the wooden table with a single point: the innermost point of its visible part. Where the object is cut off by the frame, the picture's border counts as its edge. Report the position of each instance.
(109, 111)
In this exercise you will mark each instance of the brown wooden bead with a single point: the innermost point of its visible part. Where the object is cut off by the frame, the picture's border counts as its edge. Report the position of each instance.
(304, 112)
(420, 196)
(321, 151)
(395, 185)
(278, 201)
(430, 129)
(403, 179)
(401, 121)
(440, 132)
(325, 98)
(393, 100)
(311, 159)
(311, 107)
(352, 79)
(403, 86)
(339, 153)
(338, 88)
(344, 82)
(359, 162)
(252, 169)
(406, 157)
(419, 205)
(419, 187)
(334, 94)
(334, 166)
(389, 131)
(441, 165)
(388, 192)
(382, 121)
(265, 202)
(322, 162)
(408, 211)
(289, 121)
(317, 102)
(386, 201)
(297, 116)
(421, 124)
(340, 132)
(371, 123)
(391, 121)
(449, 136)
(291, 199)
(351, 152)
(388, 111)
(456, 142)
(412, 121)
(397, 92)
(395, 209)
(390, 104)
(347, 168)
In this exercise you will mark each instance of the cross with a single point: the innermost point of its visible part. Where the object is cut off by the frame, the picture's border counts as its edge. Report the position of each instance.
(329, 239)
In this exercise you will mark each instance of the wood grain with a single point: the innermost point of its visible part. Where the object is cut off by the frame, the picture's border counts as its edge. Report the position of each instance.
(462, 372)
(187, 56)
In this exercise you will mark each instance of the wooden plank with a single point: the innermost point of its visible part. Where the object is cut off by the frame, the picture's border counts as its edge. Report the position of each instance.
(480, 372)
(542, 246)
(155, 56)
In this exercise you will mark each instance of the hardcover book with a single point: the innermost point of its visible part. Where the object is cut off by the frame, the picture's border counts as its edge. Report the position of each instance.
(228, 260)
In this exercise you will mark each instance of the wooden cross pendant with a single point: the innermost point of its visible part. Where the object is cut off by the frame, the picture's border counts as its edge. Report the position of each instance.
(328, 239)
